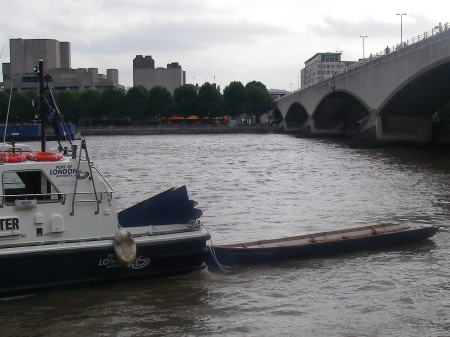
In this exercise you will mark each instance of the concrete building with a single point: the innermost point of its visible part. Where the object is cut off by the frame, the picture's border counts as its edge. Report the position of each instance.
(145, 74)
(322, 66)
(25, 55)
(277, 93)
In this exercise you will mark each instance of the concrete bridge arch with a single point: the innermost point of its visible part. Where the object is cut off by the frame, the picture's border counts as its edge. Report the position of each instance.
(296, 116)
(339, 112)
(407, 112)
(392, 97)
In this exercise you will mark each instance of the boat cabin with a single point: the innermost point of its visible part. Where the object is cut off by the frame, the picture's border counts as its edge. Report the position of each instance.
(42, 194)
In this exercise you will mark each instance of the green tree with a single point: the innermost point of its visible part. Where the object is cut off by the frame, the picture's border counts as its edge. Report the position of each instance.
(210, 102)
(233, 99)
(4, 99)
(185, 100)
(160, 103)
(22, 110)
(112, 103)
(136, 103)
(257, 99)
(89, 104)
(67, 102)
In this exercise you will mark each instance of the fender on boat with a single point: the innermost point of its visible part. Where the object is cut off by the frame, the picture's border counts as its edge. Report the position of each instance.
(125, 247)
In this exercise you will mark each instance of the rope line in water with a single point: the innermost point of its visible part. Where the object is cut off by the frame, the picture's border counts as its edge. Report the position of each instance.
(221, 266)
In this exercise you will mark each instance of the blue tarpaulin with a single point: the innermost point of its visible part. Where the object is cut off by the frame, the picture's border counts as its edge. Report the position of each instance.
(170, 207)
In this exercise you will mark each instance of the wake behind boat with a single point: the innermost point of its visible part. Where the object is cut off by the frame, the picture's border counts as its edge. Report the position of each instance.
(317, 245)
(59, 222)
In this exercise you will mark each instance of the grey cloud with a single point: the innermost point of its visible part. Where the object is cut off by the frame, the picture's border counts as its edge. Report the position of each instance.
(345, 29)
(177, 37)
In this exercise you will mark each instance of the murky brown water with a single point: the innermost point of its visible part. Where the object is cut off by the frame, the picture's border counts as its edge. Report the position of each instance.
(260, 187)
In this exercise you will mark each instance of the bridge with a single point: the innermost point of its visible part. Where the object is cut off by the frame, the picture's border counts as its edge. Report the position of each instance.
(390, 97)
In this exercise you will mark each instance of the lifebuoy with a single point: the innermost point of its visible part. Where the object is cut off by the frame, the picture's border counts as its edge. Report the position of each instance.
(44, 156)
(7, 157)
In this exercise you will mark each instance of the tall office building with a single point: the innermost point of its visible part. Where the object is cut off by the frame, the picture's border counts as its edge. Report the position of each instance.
(145, 74)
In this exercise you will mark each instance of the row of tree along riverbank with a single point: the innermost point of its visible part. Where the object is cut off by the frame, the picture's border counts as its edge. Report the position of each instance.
(139, 106)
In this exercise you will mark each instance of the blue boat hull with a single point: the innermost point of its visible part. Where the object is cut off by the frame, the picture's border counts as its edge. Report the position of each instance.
(233, 256)
(34, 271)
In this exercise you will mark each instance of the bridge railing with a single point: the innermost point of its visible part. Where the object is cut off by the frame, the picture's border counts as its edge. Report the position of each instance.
(415, 39)
(388, 50)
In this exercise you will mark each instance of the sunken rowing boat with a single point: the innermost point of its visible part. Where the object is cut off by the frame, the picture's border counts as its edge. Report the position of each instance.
(322, 244)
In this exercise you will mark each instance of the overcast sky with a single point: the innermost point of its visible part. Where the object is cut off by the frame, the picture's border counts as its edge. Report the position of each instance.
(217, 41)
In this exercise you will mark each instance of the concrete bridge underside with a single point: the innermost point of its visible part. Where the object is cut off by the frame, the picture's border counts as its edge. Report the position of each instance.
(391, 98)
(407, 115)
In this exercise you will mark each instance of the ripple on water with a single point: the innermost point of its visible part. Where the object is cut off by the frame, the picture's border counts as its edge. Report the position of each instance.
(259, 187)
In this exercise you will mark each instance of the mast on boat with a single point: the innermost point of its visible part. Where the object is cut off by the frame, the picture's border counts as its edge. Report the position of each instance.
(41, 102)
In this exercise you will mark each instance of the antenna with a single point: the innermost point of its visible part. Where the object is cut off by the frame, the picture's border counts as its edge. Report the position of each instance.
(7, 114)
(3, 48)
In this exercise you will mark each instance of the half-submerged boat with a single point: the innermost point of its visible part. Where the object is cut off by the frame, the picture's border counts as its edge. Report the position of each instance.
(59, 223)
(317, 244)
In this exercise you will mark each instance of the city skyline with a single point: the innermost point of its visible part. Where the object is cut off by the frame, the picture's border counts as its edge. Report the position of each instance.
(217, 41)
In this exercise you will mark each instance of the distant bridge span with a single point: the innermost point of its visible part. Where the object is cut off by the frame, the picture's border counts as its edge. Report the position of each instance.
(388, 98)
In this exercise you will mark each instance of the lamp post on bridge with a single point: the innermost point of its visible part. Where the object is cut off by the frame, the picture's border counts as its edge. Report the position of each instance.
(340, 54)
(401, 28)
(363, 37)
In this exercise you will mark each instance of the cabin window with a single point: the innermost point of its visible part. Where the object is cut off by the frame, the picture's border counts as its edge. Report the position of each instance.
(23, 185)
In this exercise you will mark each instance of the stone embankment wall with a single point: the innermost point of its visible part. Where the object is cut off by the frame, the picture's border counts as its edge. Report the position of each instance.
(175, 130)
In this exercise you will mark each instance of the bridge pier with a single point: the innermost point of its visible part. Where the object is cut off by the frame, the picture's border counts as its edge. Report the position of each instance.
(327, 127)
(404, 128)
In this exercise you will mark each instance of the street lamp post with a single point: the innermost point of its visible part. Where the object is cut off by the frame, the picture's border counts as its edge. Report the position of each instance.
(340, 54)
(363, 37)
(401, 28)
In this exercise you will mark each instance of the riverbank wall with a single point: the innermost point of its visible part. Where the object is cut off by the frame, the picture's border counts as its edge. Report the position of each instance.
(177, 130)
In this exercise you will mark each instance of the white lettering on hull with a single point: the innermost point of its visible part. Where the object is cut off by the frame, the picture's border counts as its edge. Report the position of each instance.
(111, 261)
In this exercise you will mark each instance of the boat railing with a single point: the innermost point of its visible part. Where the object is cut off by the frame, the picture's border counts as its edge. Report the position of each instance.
(26, 200)
(83, 147)
(103, 178)
(30, 200)
(97, 196)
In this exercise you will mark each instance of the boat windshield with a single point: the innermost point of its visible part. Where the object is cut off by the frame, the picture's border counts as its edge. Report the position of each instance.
(28, 184)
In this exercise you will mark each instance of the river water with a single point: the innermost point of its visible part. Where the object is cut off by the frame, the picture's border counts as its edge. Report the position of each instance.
(259, 187)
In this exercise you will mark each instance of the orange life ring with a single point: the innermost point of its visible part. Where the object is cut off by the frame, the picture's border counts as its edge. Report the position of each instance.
(7, 157)
(44, 156)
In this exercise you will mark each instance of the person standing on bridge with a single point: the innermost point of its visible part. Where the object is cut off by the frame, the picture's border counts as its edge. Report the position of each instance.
(387, 50)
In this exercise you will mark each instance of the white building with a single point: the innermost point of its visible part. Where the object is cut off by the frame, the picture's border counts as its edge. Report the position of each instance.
(277, 93)
(322, 66)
